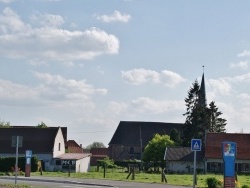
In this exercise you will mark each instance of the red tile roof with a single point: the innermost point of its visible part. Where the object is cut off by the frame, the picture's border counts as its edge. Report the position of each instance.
(214, 140)
(73, 147)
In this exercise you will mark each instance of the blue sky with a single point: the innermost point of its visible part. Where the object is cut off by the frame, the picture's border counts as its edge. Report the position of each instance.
(90, 64)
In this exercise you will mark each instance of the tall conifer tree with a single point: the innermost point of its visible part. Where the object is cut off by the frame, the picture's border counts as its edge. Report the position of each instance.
(200, 118)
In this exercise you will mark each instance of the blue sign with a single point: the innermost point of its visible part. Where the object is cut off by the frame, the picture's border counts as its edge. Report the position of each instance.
(229, 150)
(196, 144)
(28, 153)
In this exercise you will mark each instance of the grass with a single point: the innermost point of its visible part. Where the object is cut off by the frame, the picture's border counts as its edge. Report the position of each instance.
(121, 175)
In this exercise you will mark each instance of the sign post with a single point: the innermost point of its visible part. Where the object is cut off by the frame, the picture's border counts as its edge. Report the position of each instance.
(28, 155)
(195, 146)
(16, 141)
(229, 150)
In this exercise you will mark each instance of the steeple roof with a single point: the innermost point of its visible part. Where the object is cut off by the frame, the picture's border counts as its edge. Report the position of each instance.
(202, 93)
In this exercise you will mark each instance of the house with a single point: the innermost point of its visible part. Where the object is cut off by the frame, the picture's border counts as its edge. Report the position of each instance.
(47, 144)
(98, 154)
(77, 162)
(131, 137)
(181, 160)
(213, 151)
(73, 147)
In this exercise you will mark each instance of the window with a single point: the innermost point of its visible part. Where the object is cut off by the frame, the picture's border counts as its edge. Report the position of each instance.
(59, 147)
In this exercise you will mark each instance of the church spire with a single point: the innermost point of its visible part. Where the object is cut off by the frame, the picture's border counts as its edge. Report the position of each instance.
(202, 92)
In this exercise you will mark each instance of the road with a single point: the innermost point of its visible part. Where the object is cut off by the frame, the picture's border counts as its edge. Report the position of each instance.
(58, 182)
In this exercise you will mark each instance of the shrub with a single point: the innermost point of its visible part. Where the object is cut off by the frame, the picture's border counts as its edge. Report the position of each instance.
(213, 183)
(245, 186)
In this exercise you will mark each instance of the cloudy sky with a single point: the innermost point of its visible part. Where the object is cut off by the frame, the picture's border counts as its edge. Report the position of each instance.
(90, 64)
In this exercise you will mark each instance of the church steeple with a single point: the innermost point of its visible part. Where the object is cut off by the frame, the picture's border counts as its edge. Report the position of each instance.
(202, 92)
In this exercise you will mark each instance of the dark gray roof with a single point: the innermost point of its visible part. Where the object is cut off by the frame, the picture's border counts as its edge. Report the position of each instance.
(39, 140)
(130, 132)
(183, 154)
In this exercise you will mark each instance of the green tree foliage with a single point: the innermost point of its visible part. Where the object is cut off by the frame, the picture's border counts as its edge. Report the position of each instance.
(106, 162)
(217, 124)
(42, 125)
(155, 150)
(196, 119)
(4, 124)
(175, 136)
(96, 145)
(199, 118)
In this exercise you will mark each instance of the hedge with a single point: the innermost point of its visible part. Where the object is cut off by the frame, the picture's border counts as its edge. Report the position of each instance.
(6, 163)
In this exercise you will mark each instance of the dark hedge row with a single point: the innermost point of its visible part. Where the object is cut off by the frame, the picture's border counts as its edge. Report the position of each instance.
(8, 163)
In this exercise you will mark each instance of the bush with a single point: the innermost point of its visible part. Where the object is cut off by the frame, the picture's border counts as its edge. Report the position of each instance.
(245, 186)
(213, 183)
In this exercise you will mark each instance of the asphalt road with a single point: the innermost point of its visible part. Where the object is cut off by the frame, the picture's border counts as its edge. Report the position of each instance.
(58, 182)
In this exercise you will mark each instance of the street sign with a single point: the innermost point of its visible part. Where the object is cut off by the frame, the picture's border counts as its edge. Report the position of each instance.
(196, 144)
(14, 141)
(28, 153)
(68, 162)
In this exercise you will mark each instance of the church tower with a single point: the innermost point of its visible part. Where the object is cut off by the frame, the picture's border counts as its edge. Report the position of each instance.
(202, 93)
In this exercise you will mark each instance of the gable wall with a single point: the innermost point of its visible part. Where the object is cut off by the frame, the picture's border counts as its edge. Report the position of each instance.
(59, 144)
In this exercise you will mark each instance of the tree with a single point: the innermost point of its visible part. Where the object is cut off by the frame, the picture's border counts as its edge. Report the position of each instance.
(95, 145)
(4, 123)
(155, 149)
(196, 116)
(175, 136)
(217, 124)
(200, 118)
(42, 125)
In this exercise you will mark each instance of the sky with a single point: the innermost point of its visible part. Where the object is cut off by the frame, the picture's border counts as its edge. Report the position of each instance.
(89, 64)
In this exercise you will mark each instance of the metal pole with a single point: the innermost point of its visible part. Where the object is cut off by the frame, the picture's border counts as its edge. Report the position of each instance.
(194, 176)
(16, 166)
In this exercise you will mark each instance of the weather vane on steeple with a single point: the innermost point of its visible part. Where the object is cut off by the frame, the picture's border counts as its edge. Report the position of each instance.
(203, 68)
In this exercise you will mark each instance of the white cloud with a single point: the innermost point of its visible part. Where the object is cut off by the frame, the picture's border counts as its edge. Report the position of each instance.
(170, 78)
(51, 88)
(37, 62)
(220, 86)
(141, 76)
(115, 17)
(56, 87)
(117, 108)
(241, 64)
(148, 105)
(242, 78)
(6, 1)
(47, 20)
(20, 40)
(13, 91)
(244, 98)
(245, 53)
(10, 22)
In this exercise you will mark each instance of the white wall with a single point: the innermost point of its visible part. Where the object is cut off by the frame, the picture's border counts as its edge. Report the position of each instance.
(83, 165)
(183, 166)
(59, 140)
